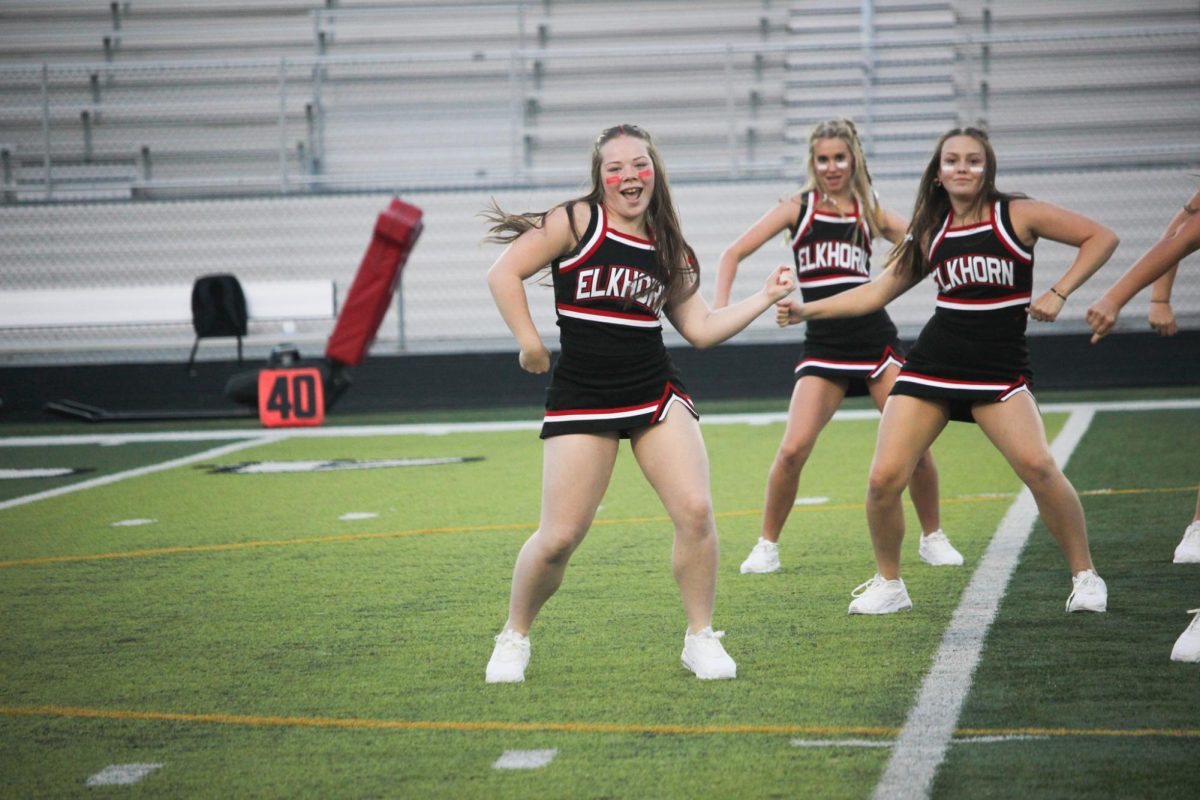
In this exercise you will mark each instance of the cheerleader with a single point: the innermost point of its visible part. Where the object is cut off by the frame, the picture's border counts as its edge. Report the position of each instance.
(830, 224)
(970, 362)
(618, 261)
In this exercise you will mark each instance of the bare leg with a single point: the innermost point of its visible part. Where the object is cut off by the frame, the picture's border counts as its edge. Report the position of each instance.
(923, 486)
(1015, 427)
(575, 474)
(672, 457)
(814, 401)
(907, 429)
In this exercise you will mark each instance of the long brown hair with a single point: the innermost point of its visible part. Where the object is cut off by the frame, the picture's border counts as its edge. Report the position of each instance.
(910, 256)
(860, 179)
(675, 257)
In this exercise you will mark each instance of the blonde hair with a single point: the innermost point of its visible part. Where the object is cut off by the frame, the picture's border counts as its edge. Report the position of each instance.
(860, 178)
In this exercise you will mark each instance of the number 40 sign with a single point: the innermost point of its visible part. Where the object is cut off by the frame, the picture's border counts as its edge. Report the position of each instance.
(290, 398)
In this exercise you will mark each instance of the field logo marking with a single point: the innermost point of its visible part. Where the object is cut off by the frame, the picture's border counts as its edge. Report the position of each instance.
(41, 472)
(330, 465)
(150, 469)
(921, 746)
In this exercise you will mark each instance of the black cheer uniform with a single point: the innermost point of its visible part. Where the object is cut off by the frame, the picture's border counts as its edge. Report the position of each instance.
(833, 254)
(613, 373)
(973, 348)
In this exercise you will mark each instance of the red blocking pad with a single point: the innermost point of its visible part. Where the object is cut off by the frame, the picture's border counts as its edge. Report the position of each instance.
(290, 398)
(396, 232)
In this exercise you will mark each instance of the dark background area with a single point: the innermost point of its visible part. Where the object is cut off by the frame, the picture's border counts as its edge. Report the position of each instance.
(491, 380)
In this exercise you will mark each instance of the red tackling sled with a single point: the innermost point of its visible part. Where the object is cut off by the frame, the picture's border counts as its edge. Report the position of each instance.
(396, 232)
(287, 399)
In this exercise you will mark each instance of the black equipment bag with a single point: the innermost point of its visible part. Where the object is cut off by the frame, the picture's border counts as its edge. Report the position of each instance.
(218, 309)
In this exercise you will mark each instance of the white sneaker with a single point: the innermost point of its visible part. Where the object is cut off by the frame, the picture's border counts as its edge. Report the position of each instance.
(1187, 646)
(936, 549)
(1088, 592)
(879, 596)
(763, 558)
(509, 659)
(1188, 551)
(704, 655)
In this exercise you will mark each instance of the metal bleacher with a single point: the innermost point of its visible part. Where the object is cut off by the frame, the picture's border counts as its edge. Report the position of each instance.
(276, 128)
(529, 108)
(898, 84)
(107, 97)
(1079, 81)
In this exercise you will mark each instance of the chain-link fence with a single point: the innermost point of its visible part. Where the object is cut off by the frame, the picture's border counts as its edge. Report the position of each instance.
(133, 171)
(444, 303)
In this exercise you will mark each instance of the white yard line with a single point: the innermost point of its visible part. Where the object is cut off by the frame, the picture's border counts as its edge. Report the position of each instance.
(104, 480)
(926, 735)
(444, 428)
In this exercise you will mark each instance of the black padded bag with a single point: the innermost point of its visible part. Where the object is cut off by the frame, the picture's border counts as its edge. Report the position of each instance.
(218, 309)
(218, 306)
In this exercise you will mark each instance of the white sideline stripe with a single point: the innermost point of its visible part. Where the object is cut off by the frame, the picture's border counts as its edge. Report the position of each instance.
(524, 759)
(444, 428)
(121, 774)
(922, 743)
(104, 480)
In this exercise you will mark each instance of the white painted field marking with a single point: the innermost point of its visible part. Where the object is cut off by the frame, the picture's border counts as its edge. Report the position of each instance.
(811, 501)
(922, 743)
(130, 523)
(335, 465)
(353, 515)
(444, 428)
(42, 472)
(524, 759)
(150, 469)
(121, 774)
(842, 743)
(886, 743)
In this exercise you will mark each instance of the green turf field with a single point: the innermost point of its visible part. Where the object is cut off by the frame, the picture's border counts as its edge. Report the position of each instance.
(320, 631)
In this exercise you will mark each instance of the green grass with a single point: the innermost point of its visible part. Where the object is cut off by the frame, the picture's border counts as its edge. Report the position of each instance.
(310, 643)
(1099, 672)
